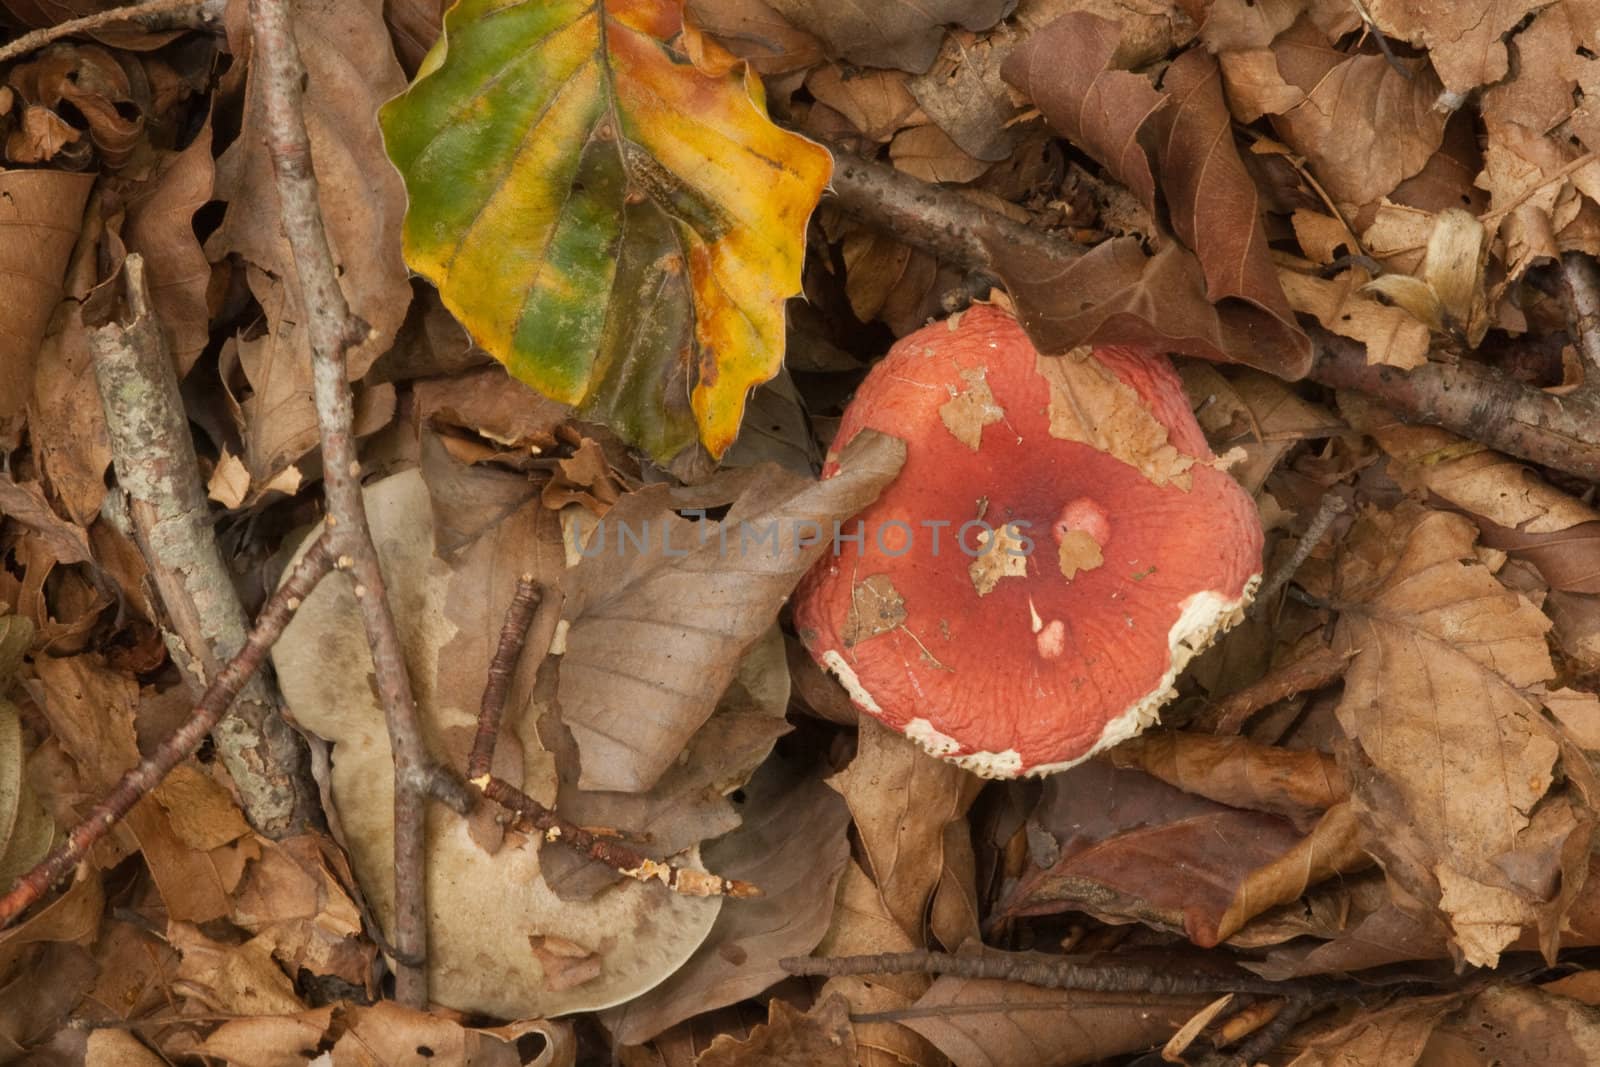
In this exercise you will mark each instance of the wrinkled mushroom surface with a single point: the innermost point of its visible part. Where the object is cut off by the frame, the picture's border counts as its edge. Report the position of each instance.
(1059, 544)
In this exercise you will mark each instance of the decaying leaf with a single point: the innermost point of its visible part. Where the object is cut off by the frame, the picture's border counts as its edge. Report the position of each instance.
(647, 284)
(897, 33)
(1469, 797)
(661, 608)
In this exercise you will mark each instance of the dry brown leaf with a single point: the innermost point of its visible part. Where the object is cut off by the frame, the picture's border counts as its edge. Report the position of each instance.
(1463, 39)
(901, 800)
(896, 33)
(656, 630)
(1365, 124)
(90, 82)
(1098, 829)
(1454, 771)
(877, 102)
(1396, 1035)
(1255, 413)
(928, 153)
(40, 214)
(755, 32)
(1334, 846)
(1297, 783)
(1534, 182)
(159, 227)
(963, 94)
(1393, 337)
(793, 844)
(1516, 510)
(1099, 108)
(821, 1037)
(230, 979)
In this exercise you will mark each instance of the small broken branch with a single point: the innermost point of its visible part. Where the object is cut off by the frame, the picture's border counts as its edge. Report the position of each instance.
(182, 742)
(513, 636)
(1580, 278)
(1044, 972)
(1472, 400)
(153, 15)
(332, 330)
(154, 456)
(1333, 505)
(612, 853)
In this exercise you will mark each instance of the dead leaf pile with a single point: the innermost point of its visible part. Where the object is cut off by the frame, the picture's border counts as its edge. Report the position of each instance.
(1378, 791)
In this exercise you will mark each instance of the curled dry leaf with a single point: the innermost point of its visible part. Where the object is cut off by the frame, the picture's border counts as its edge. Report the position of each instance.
(1219, 296)
(483, 909)
(902, 800)
(1299, 784)
(1463, 40)
(1101, 826)
(1470, 797)
(657, 628)
(1448, 292)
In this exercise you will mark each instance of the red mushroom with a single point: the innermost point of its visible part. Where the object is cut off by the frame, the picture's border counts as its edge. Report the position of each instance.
(1060, 542)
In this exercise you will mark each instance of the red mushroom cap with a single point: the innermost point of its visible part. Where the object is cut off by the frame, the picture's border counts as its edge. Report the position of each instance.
(1110, 548)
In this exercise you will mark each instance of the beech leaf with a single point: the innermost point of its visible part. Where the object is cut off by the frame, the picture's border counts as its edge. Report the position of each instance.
(616, 225)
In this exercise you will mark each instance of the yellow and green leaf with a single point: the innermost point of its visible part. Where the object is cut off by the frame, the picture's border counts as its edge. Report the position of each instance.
(618, 226)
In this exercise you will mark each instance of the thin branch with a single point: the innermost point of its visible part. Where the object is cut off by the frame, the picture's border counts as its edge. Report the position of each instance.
(1044, 972)
(1333, 505)
(154, 456)
(333, 330)
(1581, 284)
(150, 15)
(1472, 400)
(182, 742)
(513, 636)
(612, 853)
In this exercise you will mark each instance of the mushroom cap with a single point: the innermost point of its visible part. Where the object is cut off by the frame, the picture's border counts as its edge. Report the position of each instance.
(1119, 548)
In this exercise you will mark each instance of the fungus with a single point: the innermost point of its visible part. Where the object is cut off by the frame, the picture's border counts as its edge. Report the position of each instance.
(1059, 544)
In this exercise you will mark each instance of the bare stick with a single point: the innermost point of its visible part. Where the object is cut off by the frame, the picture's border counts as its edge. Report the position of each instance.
(513, 636)
(1472, 400)
(611, 852)
(1581, 284)
(1044, 972)
(156, 466)
(182, 742)
(332, 330)
(152, 15)
(1333, 505)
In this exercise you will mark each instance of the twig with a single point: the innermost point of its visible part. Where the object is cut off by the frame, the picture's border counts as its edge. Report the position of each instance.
(1044, 972)
(156, 466)
(624, 860)
(1581, 284)
(152, 14)
(1470, 399)
(1266, 1040)
(1475, 401)
(182, 742)
(332, 330)
(557, 830)
(1333, 505)
(513, 636)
